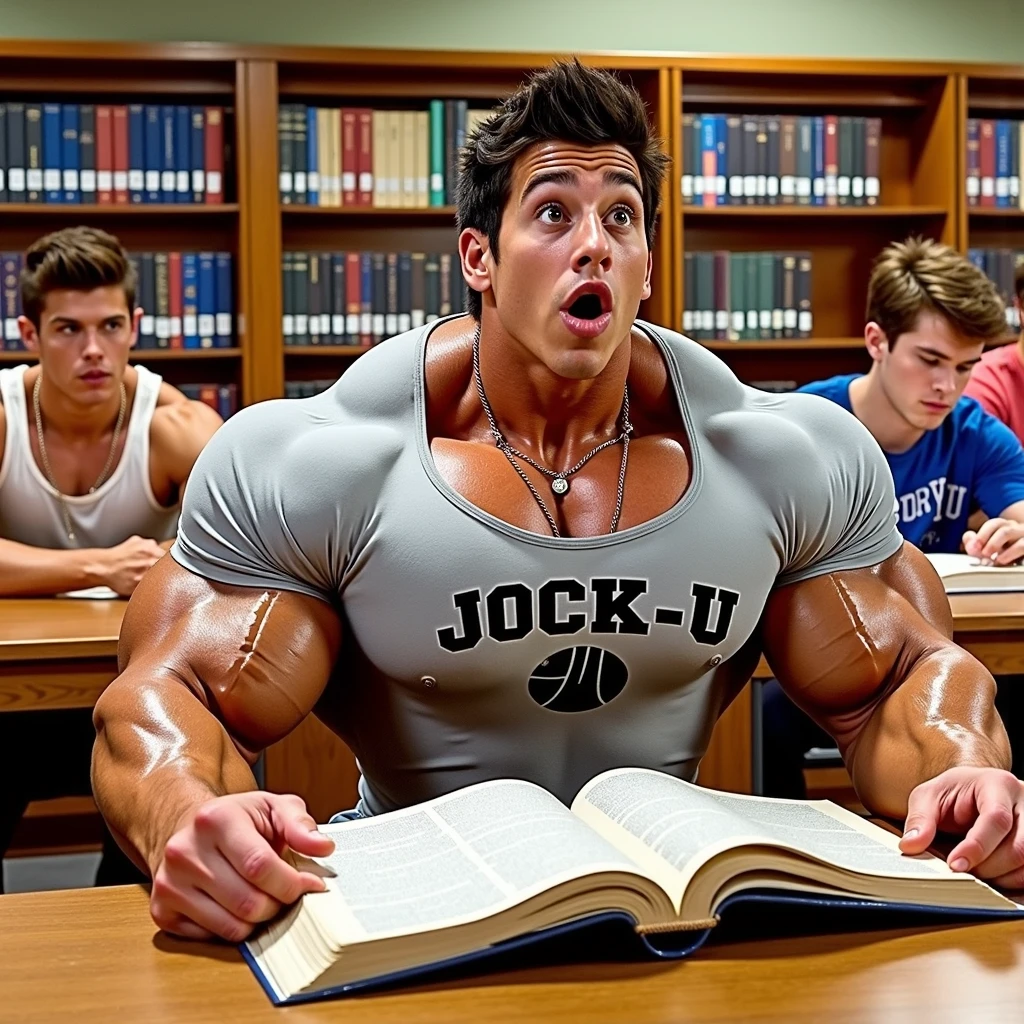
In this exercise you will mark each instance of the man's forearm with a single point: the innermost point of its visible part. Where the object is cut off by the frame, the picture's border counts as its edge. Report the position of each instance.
(27, 571)
(941, 716)
(159, 755)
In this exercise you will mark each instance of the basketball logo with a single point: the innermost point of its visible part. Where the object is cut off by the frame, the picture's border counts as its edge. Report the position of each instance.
(578, 679)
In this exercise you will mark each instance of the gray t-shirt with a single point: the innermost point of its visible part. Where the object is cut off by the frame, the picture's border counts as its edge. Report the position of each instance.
(477, 650)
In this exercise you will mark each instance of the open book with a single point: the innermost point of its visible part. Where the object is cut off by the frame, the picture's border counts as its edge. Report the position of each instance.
(487, 865)
(964, 574)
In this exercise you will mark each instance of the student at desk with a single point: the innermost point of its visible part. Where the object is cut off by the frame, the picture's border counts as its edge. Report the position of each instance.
(95, 454)
(930, 313)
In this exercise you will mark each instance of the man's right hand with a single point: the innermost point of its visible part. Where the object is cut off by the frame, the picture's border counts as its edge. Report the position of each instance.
(221, 872)
(123, 566)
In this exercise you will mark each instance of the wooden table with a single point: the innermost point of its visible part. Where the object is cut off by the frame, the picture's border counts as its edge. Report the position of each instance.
(93, 955)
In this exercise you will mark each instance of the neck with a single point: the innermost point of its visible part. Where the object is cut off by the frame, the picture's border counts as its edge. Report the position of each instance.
(555, 418)
(74, 421)
(872, 407)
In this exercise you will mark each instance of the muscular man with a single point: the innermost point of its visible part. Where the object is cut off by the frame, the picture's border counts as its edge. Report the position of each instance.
(94, 457)
(454, 557)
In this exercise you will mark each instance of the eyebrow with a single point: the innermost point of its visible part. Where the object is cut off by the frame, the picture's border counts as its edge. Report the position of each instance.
(570, 178)
(925, 351)
(75, 320)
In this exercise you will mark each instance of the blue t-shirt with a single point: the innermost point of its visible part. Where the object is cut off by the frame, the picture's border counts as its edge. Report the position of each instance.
(972, 461)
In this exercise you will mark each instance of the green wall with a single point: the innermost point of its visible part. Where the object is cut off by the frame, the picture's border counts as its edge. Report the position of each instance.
(972, 30)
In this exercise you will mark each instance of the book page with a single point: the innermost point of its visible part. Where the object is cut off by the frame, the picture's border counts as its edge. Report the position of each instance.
(965, 574)
(461, 857)
(686, 825)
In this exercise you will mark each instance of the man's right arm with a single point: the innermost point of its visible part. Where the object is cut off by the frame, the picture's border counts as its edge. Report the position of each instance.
(210, 675)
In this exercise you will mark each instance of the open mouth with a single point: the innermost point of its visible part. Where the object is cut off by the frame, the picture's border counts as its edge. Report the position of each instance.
(586, 307)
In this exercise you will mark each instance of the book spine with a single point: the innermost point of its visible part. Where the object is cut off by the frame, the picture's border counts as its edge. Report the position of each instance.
(450, 156)
(3, 166)
(312, 158)
(721, 158)
(422, 128)
(168, 158)
(105, 155)
(87, 152)
(69, 158)
(404, 292)
(152, 153)
(364, 120)
(326, 298)
(394, 158)
(214, 151)
(766, 294)
(704, 297)
(845, 163)
(190, 300)
(708, 161)
(299, 152)
(721, 295)
(349, 157)
(197, 153)
(686, 179)
(365, 299)
(338, 299)
(431, 287)
(789, 302)
(51, 154)
(287, 300)
(174, 287)
(777, 295)
(973, 161)
(872, 161)
(737, 295)
(147, 300)
(320, 142)
(774, 161)
(353, 298)
(788, 125)
(1002, 163)
(17, 161)
(818, 184)
(10, 266)
(733, 158)
(831, 160)
(378, 296)
(379, 147)
(285, 150)
(987, 159)
(689, 287)
(858, 160)
(749, 162)
(805, 321)
(805, 161)
(1014, 130)
(127, 147)
(34, 153)
(224, 320)
(752, 289)
(698, 159)
(300, 291)
(313, 309)
(417, 290)
(391, 295)
(182, 154)
(207, 300)
(407, 159)
(445, 261)
(1020, 170)
(163, 300)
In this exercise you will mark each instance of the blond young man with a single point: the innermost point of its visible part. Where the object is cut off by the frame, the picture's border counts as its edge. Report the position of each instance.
(94, 455)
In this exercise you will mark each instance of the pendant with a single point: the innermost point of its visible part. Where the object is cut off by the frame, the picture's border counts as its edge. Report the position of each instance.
(560, 485)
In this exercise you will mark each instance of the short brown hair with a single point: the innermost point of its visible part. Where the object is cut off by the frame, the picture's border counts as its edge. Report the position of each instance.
(920, 275)
(566, 102)
(79, 259)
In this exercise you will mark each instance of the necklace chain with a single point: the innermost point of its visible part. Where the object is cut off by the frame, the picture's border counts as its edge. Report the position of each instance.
(559, 481)
(65, 512)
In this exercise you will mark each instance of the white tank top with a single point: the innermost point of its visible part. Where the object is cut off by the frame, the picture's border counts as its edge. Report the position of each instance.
(124, 505)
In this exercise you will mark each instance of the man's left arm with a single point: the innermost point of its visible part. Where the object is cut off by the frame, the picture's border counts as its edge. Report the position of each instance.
(867, 654)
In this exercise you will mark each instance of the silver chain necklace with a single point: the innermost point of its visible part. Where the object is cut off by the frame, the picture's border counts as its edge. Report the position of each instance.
(559, 480)
(65, 513)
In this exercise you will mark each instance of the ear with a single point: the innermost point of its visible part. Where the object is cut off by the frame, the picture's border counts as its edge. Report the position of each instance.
(477, 261)
(136, 321)
(29, 334)
(876, 341)
(646, 293)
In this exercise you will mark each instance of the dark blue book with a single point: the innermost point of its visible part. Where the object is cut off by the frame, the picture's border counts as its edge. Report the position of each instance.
(147, 300)
(53, 153)
(168, 162)
(721, 160)
(197, 153)
(136, 153)
(87, 152)
(227, 400)
(312, 161)
(1002, 163)
(182, 161)
(711, 867)
(190, 299)
(818, 163)
(70, 157)
(154, 153)
(366, 298)
(207, 300)
(224, 323)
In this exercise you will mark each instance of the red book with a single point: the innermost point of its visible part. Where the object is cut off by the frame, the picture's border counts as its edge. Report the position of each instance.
(208, 395)
(365, 157)
(120, 124)
(214, 139)
(175, 298)
(349, 157)
(104, 156)
(987, 156)
(831, 160)
(353, 298)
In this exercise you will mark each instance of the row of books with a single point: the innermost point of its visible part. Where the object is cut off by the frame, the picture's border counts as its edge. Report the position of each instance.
(361, 298)
(1000, 265)
(747, 296)
(111, 154)
(993, 163)
(222, 398)
(757, 159)
(186, 297)
(355, 156)
(306, 388)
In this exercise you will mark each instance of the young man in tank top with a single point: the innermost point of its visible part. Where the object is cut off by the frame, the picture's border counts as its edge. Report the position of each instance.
(94, 455)
(457, 558)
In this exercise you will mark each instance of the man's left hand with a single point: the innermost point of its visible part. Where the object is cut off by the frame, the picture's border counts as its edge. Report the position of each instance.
(997, 541)
(986, 807)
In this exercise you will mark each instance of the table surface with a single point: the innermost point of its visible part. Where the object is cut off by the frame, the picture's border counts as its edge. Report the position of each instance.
(92, 955)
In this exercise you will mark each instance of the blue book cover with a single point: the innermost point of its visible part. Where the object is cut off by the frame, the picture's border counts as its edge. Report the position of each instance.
(207, 300)
(312, 163)
(721, 161)
(182, 164)
(168, 178)
(190, 299)
(70, 152)
(153, 149)
(226, 401)
(1002, 163)
(365, 297)
(53, 152)
(977, 257)
(818, 163)
(197, 154)
(136, 153)
(224, 322)
(709, 158)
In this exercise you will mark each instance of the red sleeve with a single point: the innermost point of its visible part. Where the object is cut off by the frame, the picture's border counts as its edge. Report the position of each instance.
(984, 386)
